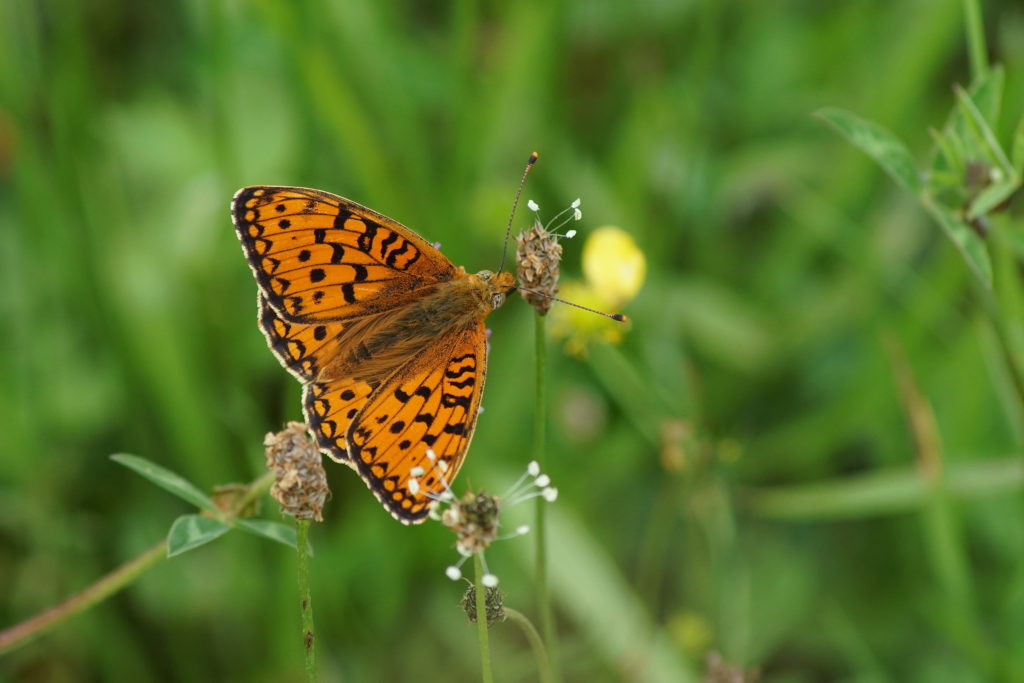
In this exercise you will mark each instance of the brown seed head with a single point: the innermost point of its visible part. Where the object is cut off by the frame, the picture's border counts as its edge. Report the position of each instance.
(474, 519)
(538, 254)
(494, 600)
(301, 484)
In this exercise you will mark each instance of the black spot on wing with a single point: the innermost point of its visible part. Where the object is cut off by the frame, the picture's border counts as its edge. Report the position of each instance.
(348, 292)
(387, 242)
(452, 401)
(365, 241)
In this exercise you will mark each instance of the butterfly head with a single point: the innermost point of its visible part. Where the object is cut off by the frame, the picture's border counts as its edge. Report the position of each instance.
(495, 286)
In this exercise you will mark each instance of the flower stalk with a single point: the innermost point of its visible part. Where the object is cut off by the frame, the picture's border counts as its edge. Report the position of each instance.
(481, 620)
(540, 553)
(305, 597)
(300, 486)
(33, 627)
(19, 634)
(536, 644)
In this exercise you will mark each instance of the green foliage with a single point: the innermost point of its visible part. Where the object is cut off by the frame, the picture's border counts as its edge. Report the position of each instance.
(167, 480)
(192, 531)
(743, 473)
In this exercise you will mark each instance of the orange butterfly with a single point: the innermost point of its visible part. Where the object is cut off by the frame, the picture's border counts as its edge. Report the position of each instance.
(386, 335)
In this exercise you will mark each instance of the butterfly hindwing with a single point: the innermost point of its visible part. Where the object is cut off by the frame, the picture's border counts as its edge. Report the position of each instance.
(432, 403)
(319, 257)
(330, 408)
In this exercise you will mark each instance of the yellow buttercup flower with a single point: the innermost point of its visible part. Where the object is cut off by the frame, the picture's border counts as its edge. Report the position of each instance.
(613, 265)
(614, 269)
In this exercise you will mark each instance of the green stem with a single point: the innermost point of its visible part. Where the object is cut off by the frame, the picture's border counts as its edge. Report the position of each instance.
(33, 627)
(536, 644)
(305, 598)
(995, 303)
(481, 620)
(257, 488)
(975, 39)
(1013, 369)
(19, 634)
(539, 416)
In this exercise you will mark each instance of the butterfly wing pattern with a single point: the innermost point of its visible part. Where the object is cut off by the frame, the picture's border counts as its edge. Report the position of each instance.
(319, 257)
(426, 405)
(329, 270)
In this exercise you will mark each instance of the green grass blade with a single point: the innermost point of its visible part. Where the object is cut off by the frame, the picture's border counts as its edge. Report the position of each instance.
(592, 591)
(886, 492)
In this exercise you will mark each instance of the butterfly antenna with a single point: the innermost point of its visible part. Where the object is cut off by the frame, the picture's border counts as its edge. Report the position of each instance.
(515, 203)
(614, 316)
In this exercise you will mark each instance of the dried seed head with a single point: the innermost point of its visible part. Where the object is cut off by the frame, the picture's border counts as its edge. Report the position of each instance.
(538, 254)
(226, 497)
(301, 484)
(494, 600)
(474, 519)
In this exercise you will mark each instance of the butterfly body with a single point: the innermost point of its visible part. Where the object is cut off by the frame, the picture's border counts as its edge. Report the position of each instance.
(385, 333)
(372, 348)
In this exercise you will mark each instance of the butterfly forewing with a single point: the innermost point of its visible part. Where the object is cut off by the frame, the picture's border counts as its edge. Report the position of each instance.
(302, 349)
(318, 257)
(432, 403)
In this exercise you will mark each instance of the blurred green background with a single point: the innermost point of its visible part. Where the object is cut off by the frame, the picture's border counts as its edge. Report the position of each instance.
(737, 476)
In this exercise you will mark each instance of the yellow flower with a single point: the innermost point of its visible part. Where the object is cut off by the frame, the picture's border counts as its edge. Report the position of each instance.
(613, 265)
(614, 269)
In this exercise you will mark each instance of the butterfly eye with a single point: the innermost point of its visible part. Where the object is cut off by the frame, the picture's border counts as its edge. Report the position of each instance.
(484, 274)
(497, 300)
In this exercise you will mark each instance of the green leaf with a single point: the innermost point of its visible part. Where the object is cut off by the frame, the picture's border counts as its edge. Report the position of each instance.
(982, 132)
(968, 242)
(275, 531)
(952, 154)
(885, 148)
(192, 531)
(987, 93)
(167, 480)
(991, 197)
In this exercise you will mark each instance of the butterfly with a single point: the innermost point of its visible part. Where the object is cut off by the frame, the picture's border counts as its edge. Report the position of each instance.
(385, 333)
